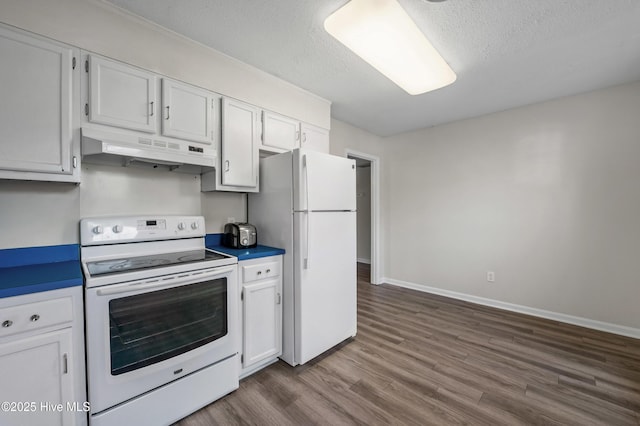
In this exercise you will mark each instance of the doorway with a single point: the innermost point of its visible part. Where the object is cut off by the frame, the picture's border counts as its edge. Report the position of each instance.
(367, 192)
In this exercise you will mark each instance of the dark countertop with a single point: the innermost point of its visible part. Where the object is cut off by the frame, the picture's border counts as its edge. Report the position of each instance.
(214, 242)
(35, 269)
(249, 253)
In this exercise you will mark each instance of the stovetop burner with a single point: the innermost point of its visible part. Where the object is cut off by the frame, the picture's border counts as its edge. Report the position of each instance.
(114, 266)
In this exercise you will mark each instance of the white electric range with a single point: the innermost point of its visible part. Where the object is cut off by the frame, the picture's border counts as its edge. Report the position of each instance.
(161, 318)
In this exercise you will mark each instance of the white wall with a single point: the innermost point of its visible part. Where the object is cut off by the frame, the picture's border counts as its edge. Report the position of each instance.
(363, 204)
(545, 195)
(345, 136)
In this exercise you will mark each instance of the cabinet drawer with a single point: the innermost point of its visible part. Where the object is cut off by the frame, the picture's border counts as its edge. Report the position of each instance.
(260, 271)
(33, 316)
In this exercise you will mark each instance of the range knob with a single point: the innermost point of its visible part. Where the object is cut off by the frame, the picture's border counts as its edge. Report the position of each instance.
(181, 226)
(97, 229)
(117, 229)
(195, 225)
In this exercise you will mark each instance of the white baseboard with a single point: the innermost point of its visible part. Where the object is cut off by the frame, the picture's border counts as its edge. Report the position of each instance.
(556, 316)
(363, 260)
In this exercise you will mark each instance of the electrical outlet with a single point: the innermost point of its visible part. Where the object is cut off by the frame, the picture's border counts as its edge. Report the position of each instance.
(491, 276)
(231, 220)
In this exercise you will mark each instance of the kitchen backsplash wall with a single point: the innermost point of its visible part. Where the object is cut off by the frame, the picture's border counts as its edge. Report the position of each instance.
(218, 207)
(38, 213)
(44, 213)
(109, 190)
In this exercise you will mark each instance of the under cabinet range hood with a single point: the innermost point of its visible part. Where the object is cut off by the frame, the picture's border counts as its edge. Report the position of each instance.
(124, 148)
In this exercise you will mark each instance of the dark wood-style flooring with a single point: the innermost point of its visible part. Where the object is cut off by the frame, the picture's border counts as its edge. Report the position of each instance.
(428, 360)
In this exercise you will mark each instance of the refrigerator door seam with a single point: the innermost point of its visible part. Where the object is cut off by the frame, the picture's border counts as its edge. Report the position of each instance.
(323, 211)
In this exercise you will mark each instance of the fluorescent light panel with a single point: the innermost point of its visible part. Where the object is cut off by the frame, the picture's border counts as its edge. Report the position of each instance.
(381, 33)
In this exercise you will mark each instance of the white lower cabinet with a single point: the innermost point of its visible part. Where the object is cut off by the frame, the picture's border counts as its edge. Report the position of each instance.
(261, 312)
(42, 359)
(37, 369)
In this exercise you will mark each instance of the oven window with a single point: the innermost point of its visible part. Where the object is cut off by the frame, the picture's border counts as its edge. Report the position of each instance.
(151, 327)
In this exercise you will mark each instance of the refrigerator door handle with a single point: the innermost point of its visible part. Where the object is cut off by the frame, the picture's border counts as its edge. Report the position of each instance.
(306, 182)
(307, 263)
(307, 259)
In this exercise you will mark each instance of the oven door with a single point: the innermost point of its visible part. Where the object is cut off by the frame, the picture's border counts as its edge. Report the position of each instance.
(146, 333)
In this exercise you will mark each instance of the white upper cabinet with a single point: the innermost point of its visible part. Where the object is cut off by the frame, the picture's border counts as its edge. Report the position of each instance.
(279, 133)
(239, 150)
(38, 123)
(121, 95)
(314, 138)
(188, 112)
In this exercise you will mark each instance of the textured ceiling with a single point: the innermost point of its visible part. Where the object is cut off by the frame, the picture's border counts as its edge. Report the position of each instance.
(506, 53)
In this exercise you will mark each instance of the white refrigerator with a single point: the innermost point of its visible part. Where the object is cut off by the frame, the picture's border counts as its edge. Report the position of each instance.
(307, 206)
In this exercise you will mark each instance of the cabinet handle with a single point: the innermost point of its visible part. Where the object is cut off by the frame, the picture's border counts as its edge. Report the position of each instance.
(152, 110)
(268, 270)
(259, 272)
(226, 166)
(167, 112)
(279, 300)
(34, 317)
(7, 323)
(65, 364)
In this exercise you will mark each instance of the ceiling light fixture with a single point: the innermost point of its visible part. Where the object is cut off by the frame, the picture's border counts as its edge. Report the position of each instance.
(381, 33)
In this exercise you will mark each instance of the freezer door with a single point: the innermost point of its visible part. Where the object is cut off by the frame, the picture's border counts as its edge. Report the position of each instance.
(323, 182)
(325, 281)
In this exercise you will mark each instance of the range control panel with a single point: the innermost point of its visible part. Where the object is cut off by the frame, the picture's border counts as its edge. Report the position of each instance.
(125, 229)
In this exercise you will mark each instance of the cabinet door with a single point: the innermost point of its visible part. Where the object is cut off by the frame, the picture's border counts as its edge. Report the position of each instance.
(36, 108)
(121, 95)
(37, 369)
(239, 160)
(314, 138)
(262, 321)
(187, 112)
(279, 131)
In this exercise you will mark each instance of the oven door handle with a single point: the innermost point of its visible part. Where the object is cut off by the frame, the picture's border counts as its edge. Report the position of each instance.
(156, 285)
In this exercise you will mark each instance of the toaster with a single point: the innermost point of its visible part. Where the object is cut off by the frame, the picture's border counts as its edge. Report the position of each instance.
(239, 235)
